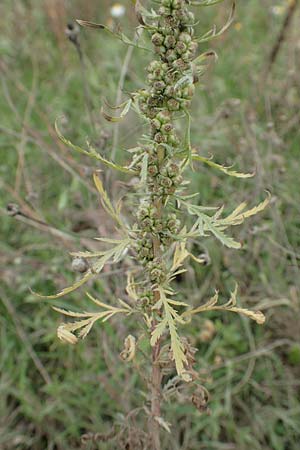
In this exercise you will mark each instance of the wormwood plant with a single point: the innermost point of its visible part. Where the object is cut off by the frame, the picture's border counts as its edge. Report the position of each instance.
(167, 217)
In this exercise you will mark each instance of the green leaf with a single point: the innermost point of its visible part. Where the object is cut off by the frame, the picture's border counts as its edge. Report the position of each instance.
(213, 33)
(221, 236)
(187, 141)
(117, 34)
(92, 153)
(205, 2)
(126, 107)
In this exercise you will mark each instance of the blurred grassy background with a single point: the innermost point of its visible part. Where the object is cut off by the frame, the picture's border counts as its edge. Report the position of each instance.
(51, 394)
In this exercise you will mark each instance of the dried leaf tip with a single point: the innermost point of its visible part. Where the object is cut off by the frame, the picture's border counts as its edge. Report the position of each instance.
(66, 336)
(128, 353)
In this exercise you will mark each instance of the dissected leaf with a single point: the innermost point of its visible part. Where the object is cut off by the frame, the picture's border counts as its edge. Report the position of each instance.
(223, 169)
(169, 321)
(126, 107)
(107, 205)
(221, 236)
(212, 304)
(88, 275)
(202, 62)
(180, 254)
(118, 34)
(92, 153)
(216, 225)
(66, 331)
(158, 331)
(131, 287)
(66, 336)
(213, 33)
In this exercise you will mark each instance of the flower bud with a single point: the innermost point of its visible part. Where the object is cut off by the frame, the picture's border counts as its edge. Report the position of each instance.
(171, 56)
(80, 265)
(164, 181)
(181, 47)
(173, 170)
(157, 272)
(180, 65)
(158, 74)
(173, 105)
(161, 50)
(186, 56)
(163, 116)
(167, 128)
(170, 41)
(159, 86)
(170, 91)
(155, 123)
(157, 39)
(159, 138)
(185, 37)
(154, 65)
(193, 47)
(172, 139)
(152, 170)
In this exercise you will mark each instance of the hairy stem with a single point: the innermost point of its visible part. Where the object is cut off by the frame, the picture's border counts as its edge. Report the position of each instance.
(156, 376)
(156, 370)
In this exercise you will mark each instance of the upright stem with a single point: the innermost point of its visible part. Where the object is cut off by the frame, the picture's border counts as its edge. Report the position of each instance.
(156, 375)
(154, 429)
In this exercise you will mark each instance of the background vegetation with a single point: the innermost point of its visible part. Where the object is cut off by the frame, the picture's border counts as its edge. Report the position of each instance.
(247, 114)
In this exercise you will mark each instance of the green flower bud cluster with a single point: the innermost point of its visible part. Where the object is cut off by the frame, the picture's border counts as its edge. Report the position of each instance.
(173, 42)
(142, 244)
(172, 224)
(148, 218)
(169, 93)
(166, 180)
(157, 271)
(162, 130)
(146, 300)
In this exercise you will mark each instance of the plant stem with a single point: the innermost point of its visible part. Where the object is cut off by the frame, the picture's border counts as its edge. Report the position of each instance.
(156, 375)
(154, 428)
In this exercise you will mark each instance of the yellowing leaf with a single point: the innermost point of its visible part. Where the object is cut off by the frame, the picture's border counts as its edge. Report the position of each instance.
(170, 320)
(107, 205)
(69, 289)
(128, 353)
(226, 170)
(212, 305)
(66, 336)
(66, 331)
(158, 331)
